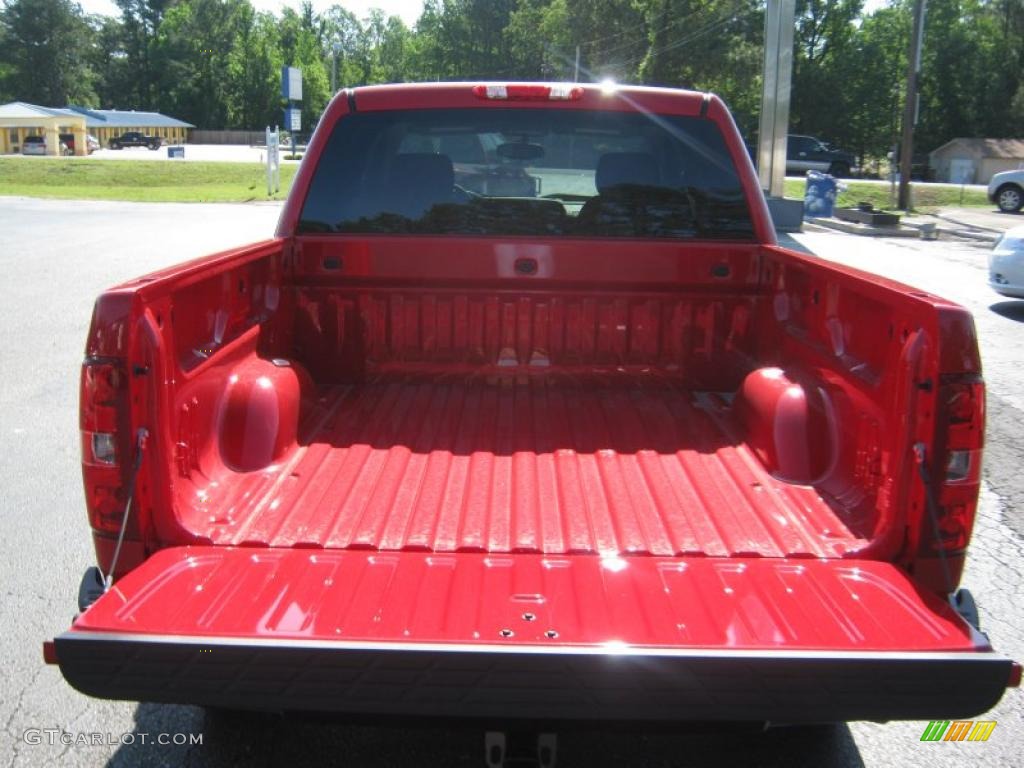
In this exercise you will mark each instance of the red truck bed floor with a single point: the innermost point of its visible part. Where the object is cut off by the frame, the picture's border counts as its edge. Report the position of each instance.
(549, 463)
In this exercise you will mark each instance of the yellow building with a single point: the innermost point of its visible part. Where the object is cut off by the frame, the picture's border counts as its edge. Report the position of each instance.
(19, 120)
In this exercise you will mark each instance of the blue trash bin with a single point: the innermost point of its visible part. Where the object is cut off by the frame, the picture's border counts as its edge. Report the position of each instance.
(176, 152)
(820, 195)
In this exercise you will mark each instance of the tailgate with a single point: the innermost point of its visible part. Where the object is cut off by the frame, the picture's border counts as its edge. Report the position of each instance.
(523, 635)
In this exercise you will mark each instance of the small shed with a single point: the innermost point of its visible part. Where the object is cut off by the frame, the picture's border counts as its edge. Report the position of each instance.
(974, 161)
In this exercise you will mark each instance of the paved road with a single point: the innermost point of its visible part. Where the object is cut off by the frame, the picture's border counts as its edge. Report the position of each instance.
(58, 255)
(984, 219)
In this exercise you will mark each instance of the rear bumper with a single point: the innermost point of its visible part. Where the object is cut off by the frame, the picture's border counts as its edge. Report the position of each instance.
(1007, 289)
(502, 682)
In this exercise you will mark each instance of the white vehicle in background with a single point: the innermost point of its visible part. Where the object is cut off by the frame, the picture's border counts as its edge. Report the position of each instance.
(1006, 190)
(36, 145)
(1006, 264)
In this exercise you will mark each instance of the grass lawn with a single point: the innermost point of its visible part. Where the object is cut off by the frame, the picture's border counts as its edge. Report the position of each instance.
(925, 197)
(156, 181)
(162, 181)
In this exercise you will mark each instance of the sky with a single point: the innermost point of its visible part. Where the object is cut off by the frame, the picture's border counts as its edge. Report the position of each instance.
(409, 10)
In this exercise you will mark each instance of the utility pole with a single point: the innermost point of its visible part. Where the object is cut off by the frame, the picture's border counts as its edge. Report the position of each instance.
(779, 25)
(576, 74)
(910, 108)
(336, 47)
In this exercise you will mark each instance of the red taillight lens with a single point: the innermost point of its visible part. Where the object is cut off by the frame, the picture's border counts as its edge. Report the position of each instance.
(956, 469)
(527, 92)
(100, 396)
(103, 409)
(104, 500)
(963, 403)
(954, 529)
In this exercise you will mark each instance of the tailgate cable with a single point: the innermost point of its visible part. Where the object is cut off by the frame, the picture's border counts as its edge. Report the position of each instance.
(140, 446)
(933, 510)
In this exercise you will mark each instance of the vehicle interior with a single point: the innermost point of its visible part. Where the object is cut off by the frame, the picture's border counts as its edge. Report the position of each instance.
(515, 172)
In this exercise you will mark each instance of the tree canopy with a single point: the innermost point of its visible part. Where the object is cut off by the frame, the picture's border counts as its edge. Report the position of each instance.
(217, 63)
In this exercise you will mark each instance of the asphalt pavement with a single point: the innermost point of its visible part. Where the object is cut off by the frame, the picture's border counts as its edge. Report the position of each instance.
(58, 255)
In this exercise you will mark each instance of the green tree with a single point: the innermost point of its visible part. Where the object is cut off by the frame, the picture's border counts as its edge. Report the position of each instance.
(354, 53)
(971, 70)
(541, 41)
(713, 45)
(301, 43)
(140, 21)
(388, 40)
(44, 58)
(824, 44)
(108, 58)
(193, 55)
(254, 72)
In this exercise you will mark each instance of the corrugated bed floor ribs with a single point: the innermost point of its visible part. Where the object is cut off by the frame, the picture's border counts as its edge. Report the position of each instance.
(554, 463)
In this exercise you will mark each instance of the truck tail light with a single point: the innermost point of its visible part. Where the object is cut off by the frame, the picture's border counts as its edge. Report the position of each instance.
(526, 92)
(961, 423)
(954, 472)
(105, 445)
(99, 448)
(959, 465)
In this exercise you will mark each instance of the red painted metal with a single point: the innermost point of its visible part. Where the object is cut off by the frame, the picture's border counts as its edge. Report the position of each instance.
(703, 340)
(614, 602)
(526, 462)
(450, 310)
(664, 444)
(563, 262)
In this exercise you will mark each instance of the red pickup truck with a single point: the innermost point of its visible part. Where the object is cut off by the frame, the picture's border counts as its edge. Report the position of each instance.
(524, 413)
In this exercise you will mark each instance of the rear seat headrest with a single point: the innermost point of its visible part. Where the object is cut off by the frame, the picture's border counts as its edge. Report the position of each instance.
(614, 168)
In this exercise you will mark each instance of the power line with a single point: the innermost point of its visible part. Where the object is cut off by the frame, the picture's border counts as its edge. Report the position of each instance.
(730, 15)
(645, 36)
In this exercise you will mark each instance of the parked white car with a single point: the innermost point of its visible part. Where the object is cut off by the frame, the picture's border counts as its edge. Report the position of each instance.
(33, 145)
(1007, 191)
(1006, 264)
(36, 145)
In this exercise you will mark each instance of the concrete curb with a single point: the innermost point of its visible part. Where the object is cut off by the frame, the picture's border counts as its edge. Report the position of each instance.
(907, 228)
(865, 231)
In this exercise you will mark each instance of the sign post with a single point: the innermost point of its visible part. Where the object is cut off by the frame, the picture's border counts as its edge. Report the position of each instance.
(291, 92)
(293, 119)
(273, 161)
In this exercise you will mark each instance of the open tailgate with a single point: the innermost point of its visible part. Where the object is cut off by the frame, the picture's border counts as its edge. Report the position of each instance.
(533, 636)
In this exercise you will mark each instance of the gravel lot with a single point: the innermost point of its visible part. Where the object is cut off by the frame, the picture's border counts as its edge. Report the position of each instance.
(60, 255)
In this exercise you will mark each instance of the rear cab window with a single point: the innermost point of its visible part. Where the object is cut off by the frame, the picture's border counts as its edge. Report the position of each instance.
(576, 173)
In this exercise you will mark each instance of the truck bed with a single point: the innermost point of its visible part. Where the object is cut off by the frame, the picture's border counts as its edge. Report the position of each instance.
(431, 454)
(555, 462)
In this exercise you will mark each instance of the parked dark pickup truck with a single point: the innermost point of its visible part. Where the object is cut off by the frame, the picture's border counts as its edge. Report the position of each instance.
(806, 153)
(135, 139)
(604, 452)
